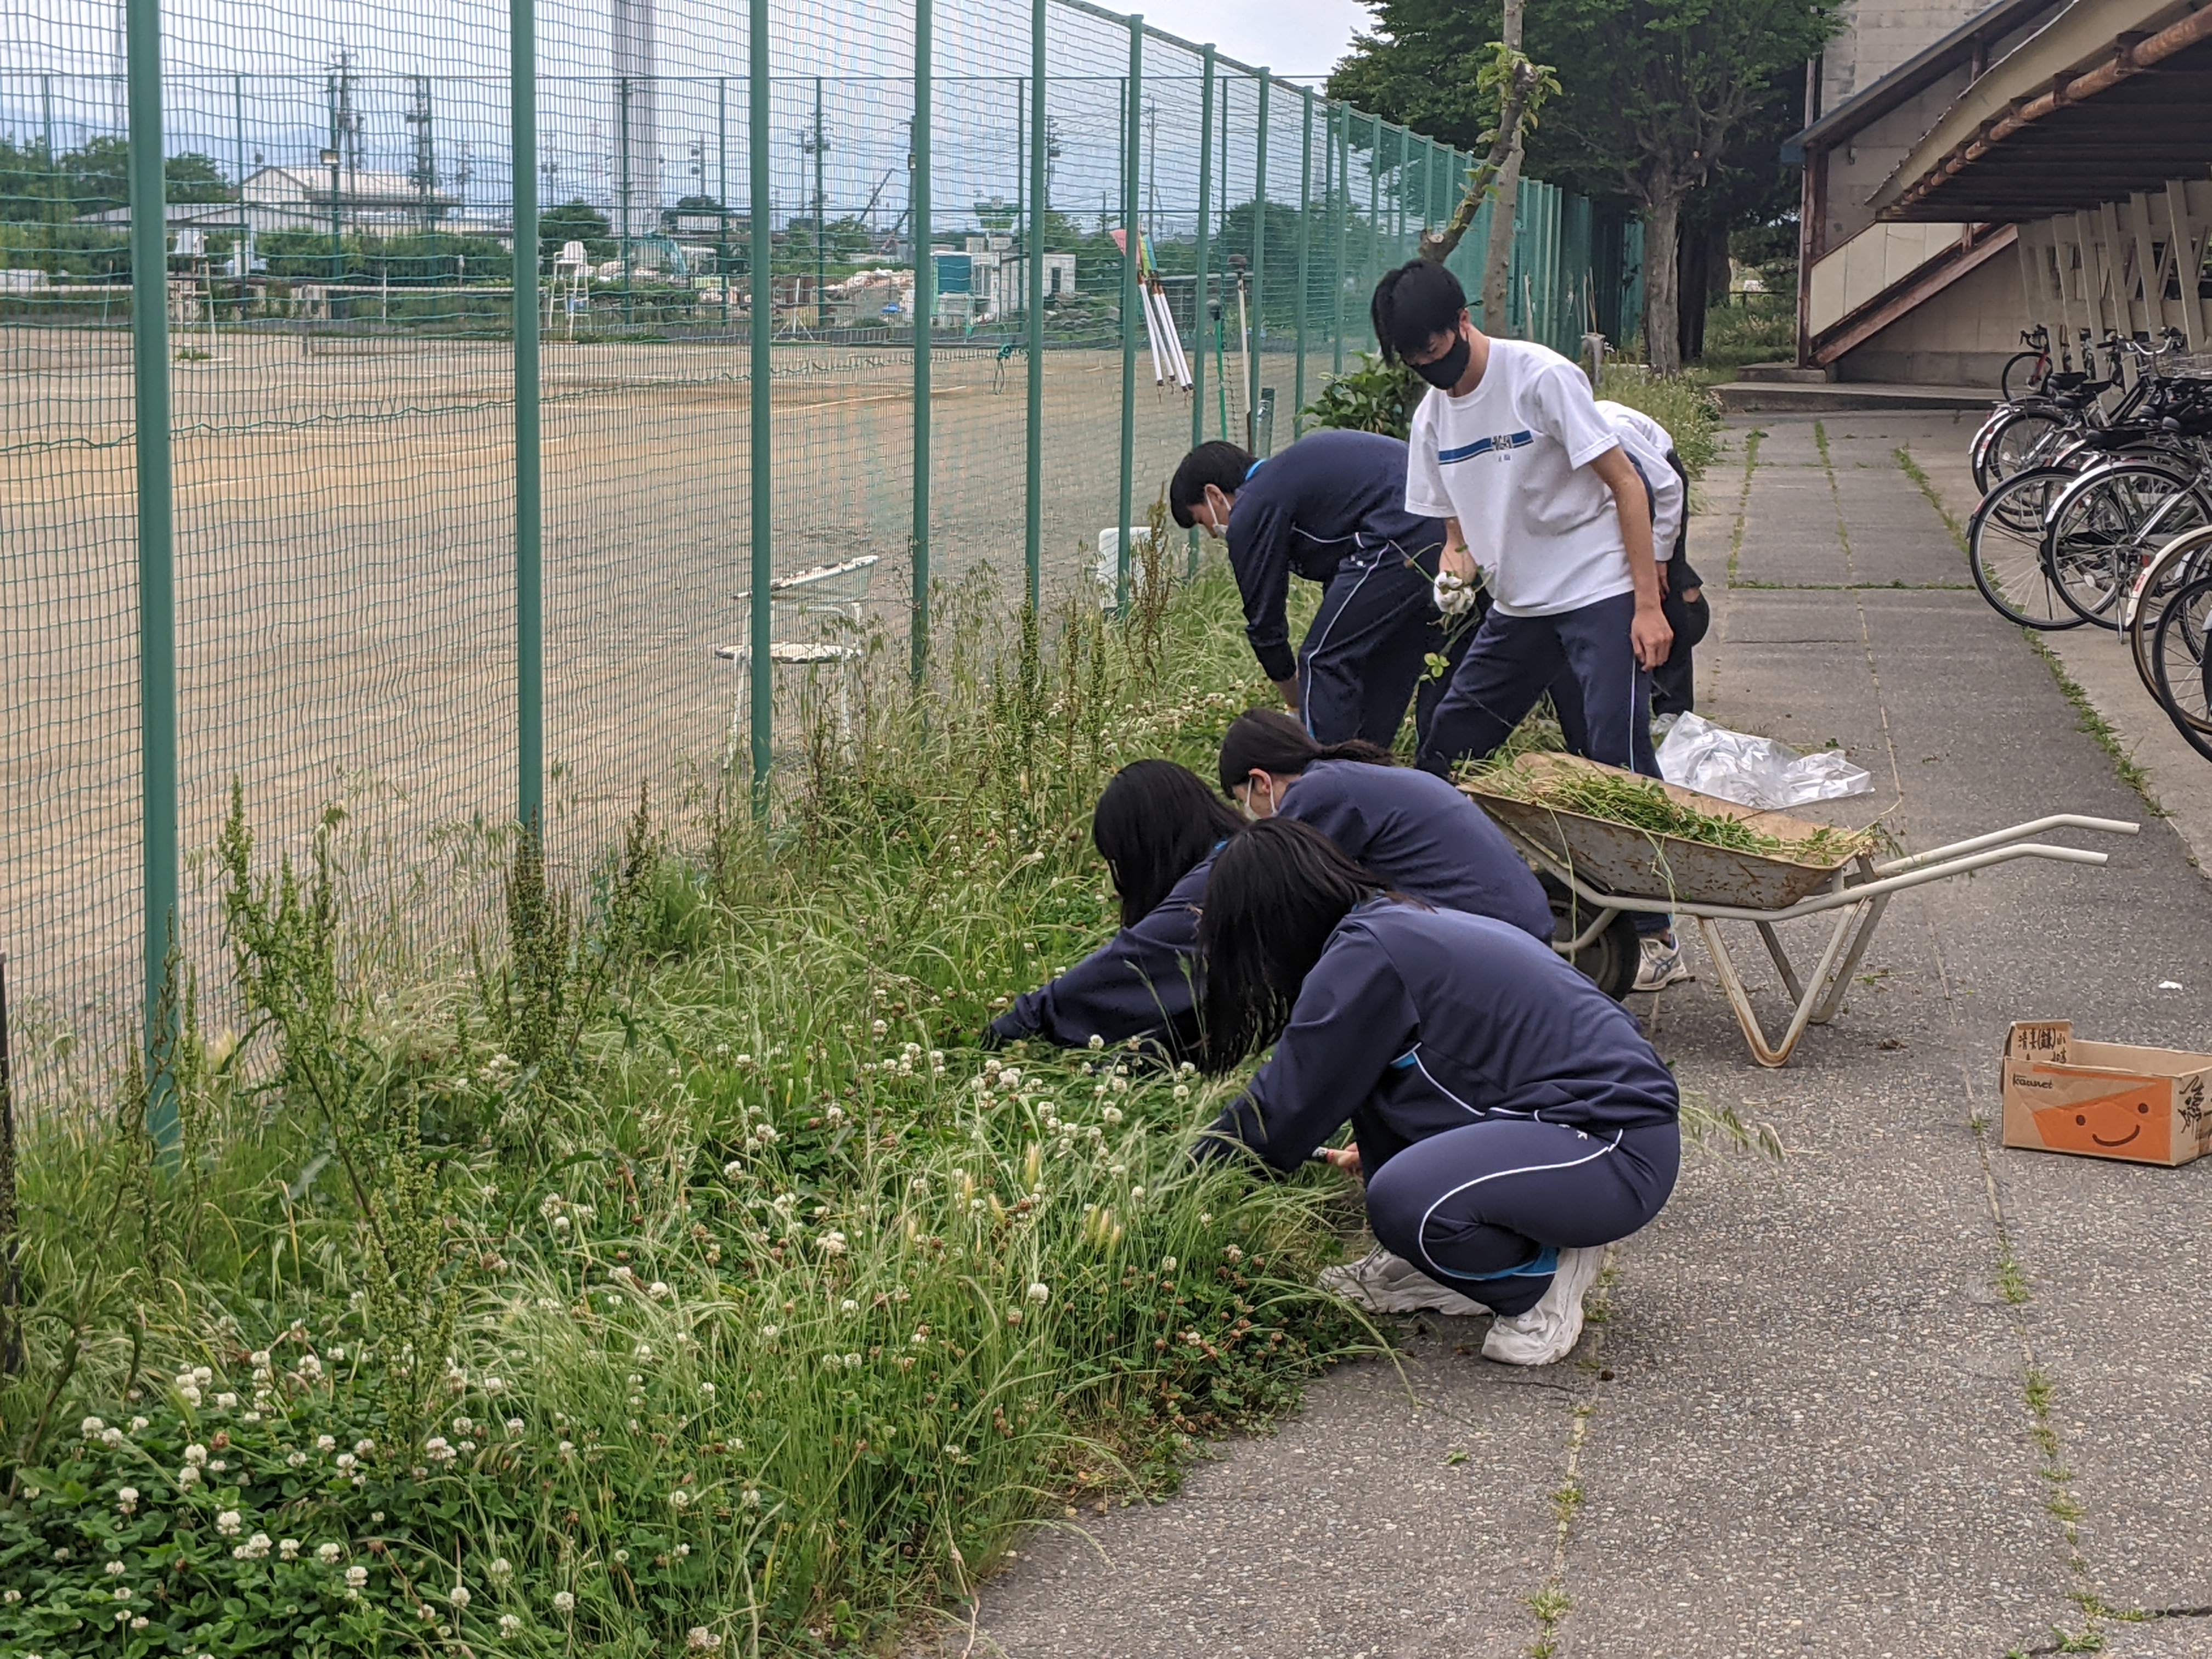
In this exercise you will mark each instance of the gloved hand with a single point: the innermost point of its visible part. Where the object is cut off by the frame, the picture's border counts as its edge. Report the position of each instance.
(1455, 598)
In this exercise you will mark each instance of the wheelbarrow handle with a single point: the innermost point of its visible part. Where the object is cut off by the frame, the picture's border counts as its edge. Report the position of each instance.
(1999, 837)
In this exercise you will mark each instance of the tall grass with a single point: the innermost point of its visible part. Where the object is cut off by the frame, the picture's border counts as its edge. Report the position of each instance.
(680, 1277)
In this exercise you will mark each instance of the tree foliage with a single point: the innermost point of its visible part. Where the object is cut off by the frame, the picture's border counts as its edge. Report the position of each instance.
(1658, 98)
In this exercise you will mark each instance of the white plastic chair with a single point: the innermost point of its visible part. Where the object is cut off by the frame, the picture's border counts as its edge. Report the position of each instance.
(827, 590)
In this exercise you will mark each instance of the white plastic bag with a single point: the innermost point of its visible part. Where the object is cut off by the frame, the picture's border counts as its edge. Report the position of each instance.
(1755, 771)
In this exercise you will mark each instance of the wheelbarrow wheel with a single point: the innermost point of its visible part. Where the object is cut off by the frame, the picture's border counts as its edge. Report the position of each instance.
(1610, 960)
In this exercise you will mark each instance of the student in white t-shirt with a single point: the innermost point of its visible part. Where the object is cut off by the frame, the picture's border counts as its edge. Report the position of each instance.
(1510, 451)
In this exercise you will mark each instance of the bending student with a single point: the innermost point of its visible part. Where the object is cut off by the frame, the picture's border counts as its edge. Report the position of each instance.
(1331, 508)
(1509, 1117)
(1157, 827)
(1416, 832)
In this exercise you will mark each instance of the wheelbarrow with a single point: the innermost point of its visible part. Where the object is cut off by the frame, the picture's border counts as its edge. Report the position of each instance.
(1615, 871)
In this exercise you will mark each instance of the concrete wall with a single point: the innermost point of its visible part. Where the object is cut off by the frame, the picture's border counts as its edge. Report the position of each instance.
(1879, 34)
(1961, 336)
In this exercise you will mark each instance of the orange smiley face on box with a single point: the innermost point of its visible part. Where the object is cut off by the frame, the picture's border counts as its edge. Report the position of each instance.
(2128, 1125)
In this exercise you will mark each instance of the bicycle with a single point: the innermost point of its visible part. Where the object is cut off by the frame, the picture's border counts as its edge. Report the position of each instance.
(2032, 367)
(2100, 529)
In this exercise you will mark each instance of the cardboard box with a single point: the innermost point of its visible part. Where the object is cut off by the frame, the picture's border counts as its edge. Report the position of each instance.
(2063, 1094)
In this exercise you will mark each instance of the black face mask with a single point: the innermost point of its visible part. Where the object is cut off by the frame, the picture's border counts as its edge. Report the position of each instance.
(1444, 374)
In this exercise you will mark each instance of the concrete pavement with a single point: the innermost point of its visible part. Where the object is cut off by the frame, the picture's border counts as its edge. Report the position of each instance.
(1902, 1392)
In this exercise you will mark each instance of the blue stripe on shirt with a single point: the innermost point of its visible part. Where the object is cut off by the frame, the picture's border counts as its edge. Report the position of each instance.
(1483, 445)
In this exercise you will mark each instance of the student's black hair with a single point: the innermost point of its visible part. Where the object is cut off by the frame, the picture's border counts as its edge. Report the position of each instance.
(1154, 823)
(1412, 305)
(1221, 464)
(1272, 898)
(1268, 740)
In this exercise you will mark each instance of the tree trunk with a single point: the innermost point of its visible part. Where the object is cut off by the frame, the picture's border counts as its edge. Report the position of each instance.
(1438, 245)
(1498, 267)
(1662, 298)
(1693, 265)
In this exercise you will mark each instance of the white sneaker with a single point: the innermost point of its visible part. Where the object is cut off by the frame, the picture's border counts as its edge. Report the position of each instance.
(1660, 964)
(1382, 1283)
(1547, 1332)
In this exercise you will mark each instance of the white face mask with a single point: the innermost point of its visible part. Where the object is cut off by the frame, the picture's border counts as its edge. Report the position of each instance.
(1251, 793)
(1215, 519)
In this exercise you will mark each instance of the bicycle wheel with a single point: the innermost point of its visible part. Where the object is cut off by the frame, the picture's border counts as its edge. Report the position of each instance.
(2174, 566)
(2023, 374)
(2179, 670)
(2020, 440)
(2004, 550)
(2103, 527)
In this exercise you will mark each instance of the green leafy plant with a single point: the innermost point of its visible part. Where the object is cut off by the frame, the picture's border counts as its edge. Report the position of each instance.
(1374, 397)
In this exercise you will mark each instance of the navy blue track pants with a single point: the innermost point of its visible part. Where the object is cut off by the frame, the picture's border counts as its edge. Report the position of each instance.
(1475, 1202)
(1364, 656)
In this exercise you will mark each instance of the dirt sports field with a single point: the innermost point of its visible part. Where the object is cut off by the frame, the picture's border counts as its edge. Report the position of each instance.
(344, 579)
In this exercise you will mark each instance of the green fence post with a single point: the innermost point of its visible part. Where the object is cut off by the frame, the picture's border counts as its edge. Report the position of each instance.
(529, 528)
(759, 209)
(1305, 249)
(1040, 138)
(157, 584)
(1372, 269)
(1340, 123)
(1201, 261)
(924, 320)
(1398, 237)
(1259, 338)
(1132, 181)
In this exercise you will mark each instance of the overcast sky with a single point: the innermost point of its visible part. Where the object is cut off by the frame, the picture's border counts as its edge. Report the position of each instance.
(1291, 37)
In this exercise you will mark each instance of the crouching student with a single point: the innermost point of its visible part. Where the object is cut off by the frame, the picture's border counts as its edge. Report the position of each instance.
(1157, 827)
(1508, 1117)
(1330, 508)
(1416, 832)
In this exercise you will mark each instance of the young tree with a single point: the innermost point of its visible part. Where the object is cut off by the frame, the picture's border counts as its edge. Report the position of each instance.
(1655, 96)
(1497, 269)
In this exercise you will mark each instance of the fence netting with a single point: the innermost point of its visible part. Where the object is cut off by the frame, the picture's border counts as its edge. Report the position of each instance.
(338, 285)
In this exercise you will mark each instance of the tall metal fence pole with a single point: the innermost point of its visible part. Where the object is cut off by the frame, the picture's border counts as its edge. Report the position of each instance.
(1306, 250)
(1259, 341)
(925, 308)
(1340, 122)
(1131, 180)
(1372, 268)
(1039, 139)
(760, 488)
(1201, 262)
(157, 587)
(529, 528)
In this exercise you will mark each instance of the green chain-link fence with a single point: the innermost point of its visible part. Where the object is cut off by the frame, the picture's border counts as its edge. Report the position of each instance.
(311, 482)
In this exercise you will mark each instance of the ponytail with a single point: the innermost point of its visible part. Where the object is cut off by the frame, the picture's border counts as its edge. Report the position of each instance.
(1268, 740)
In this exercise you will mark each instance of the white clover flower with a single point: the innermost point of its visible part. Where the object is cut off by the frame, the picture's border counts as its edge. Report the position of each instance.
(880, 1028)
(509, 1625)
(356, 1577)
(115, 1570)
(1112, 1115)
(771, 1332)
(138, 1425)
(140, 1622)
(1136, 1192)
(566, 1448)
(122, 1593)
(679, 1499)
(493, 1384)
(564, 1602)
(833, 1244)
(643, 1351)
(733, 1169)
(324, 1443)
(310, 1367)
(229, 1523)
(195, 1453)
(1187, 1069)
(622, 1558)
(458, 1595)
(702, 1640)
(706, 1390)
(202, 1376)
(226, 1402)
(362, 1448)
(1097, 1042)
(287, 1549)
(1040, 1294)
(188, 1476)
(126, 1499)
(848, 1306)
(259, 1359)
(559, 1224)
(437, 1451)
(328, 1554)
(750, 1497)
(1233, 1253)
(1166, 1264)
(90, 1427)
(658, 1291)
(465, 1426)
(11, 1596)
(852, 1362)
(515, 1425)
(767, 1131)
(347, 1460)
(501, 1570)
(1183, 1091)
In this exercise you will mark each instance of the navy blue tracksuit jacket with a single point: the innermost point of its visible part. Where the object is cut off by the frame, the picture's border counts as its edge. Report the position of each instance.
(1332, 508)
(1416, 832)
(1418, 1022)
